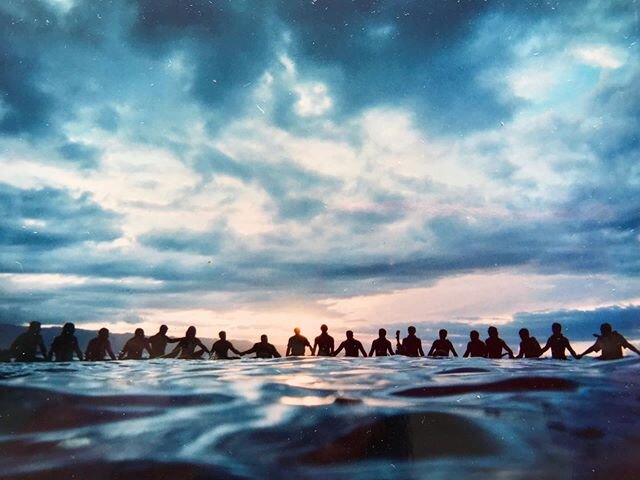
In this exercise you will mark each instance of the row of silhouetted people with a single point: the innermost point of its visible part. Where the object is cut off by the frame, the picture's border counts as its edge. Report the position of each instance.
(65, 346)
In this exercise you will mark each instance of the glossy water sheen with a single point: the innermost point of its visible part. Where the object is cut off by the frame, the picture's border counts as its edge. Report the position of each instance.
(321, 418)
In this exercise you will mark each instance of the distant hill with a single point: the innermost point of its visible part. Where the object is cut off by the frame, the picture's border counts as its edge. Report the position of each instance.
(9, 332)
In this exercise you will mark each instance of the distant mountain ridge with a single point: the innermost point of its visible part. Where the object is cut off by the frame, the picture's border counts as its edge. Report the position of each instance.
(9, 332)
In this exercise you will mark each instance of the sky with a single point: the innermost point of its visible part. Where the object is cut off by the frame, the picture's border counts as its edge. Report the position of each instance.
(255, 166)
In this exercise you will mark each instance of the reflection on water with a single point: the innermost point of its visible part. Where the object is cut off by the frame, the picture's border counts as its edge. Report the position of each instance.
(318, 418)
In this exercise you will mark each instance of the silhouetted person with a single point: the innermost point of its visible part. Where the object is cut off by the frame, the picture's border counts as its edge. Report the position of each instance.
(476, 347)
(610, 343)
(297, 344)
(263, 349)
(324, 343)
(189, 347)
(381, 346)
(529, 346)
(159, 342)
(558, 343)
(65, 345)
(495, 345)
(442, 346)
(25, 347)
(412, 345)
(399, 347)
(99, 347)
(220, 348)
(134, 347)
(351, 346)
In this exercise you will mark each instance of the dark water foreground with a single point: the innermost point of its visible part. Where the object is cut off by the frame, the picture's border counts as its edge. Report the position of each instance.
(321, 418)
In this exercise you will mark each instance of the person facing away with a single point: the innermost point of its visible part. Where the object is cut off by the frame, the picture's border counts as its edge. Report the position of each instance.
(495, 345)
(99, 346)
(65, 345)
(324, 343)
(297, 344)
(412, 345)
(159, 342)
(476, 347)
(189, 347)
(610, 343)
(558, 343)
(351, 346)
(25, 347)
(442, 346)
(529, 346)
(220, 348)
(132, 350)
(381, 346)
(263, 349)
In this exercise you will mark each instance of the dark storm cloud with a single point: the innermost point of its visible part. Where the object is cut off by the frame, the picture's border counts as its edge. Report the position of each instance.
(44, 219)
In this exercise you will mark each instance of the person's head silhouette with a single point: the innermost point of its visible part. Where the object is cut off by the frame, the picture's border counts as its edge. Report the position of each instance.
(493, 332)
(524, 334)
(164, 329)
(411, 330)
(223, 335)
(264, 338)
(191, 332)
(443, 334)
(556, 328)
(35, 326)
(296, 331)
(474, 335)
(606, 329)
(382, 333)
(139, 332)
(68, 328)
(103, 333)
(324, 328)
(349, 334)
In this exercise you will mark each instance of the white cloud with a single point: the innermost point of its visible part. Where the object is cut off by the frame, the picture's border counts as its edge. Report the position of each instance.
(602, 56)
(313, 99)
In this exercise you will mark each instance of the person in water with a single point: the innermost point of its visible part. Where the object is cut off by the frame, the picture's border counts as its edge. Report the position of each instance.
(65, 345)
(381, 346)
(25, 347)
(159, 342)
(324, 343)
(495, 345)
(412, 345)
(189, 347)
(134, 347)
(263, 349)
(558, 343)
(297, 344)
(99, 347)
(476, 347)
(220, 348)
(610, 343)
(442, 346)
(529, 346)
(351, 346)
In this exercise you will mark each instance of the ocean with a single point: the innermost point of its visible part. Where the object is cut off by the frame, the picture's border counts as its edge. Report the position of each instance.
(319, 418)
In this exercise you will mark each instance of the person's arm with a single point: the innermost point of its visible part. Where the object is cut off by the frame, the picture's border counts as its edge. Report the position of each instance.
(173, 340)
(76, 347)
(251, 350)
(147, 347)
(175, 352)
(202, 346)
(110, 352)
(331, 347)
(420, 350)
(43, 349)
(432, 350)
(626, 344)
(453, 350)
(571, 350)
(51, 350)
(538, 347)
(373, 345)
(307, 344)
(593, 348)
(315, 344)
(467, 352)
(340, 347)
(521, 351)
(361, 348)
(125, 351)
(275, 352)
(547, 347)
(233, 349)
(389, 348)
(288, 349)
(506, 347)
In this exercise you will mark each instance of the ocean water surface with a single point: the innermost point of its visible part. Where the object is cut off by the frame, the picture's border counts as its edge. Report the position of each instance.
(373, 418)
